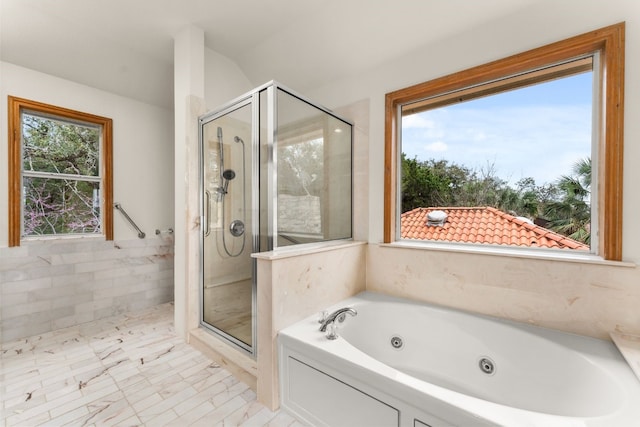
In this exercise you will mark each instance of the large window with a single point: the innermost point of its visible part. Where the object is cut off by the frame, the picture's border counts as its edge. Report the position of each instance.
(59, 172)
(502, 154)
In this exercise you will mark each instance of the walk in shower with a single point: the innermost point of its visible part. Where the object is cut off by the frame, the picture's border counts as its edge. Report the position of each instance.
(275, 170)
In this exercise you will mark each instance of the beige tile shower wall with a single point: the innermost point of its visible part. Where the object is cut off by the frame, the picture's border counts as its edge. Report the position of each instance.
(293, 286)
(358, 113)
(48, 285)
(587, 299)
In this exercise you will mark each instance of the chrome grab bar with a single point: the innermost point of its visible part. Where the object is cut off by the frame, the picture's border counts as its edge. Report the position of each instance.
(119, 207)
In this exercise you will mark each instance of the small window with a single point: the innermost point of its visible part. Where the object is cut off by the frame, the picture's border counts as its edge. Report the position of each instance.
(466, 163)
(60, 172)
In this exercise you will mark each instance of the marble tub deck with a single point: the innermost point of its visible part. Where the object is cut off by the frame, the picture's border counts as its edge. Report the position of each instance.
(126, 370)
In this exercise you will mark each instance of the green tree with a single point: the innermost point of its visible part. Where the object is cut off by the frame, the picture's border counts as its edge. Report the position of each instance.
(571, 214)
(431, 183)
(564, 205)
(434, 183)
(57, 202)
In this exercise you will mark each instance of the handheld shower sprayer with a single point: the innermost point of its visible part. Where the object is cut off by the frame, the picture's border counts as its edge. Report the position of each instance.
(222, 189)
(227, 176)
(220, 146)
(237, 226)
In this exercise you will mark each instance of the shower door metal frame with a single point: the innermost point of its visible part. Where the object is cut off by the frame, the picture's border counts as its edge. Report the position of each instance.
(238, 103)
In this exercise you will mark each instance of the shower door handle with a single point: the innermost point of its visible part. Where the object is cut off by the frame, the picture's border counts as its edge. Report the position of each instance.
(207, 227)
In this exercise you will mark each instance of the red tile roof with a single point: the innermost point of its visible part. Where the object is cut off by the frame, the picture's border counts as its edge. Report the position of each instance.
(482, 225)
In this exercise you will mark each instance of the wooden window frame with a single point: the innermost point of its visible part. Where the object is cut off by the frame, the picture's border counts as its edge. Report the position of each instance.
(16, 107)
(608, 42)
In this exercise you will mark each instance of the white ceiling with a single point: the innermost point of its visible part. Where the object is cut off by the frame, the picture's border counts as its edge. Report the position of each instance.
(126, 46)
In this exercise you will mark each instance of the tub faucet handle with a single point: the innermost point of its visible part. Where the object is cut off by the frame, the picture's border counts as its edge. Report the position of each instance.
(332, 332)
(323, 316)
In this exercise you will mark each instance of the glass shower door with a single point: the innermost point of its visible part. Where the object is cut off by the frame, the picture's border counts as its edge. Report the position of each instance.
(227, 298)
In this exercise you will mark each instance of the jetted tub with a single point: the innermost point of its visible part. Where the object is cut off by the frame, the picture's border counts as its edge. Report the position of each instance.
(402, 363)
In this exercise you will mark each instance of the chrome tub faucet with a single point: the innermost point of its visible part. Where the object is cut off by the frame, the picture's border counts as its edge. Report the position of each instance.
(330, 321)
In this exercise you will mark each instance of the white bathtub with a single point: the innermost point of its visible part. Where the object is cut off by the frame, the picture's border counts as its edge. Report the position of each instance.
(453, 368)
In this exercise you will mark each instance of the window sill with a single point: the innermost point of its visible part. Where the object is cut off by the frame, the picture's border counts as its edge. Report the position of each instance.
(27, 240)
(549, 255)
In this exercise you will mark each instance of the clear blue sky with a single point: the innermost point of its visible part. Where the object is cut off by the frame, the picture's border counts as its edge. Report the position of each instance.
(538, 131)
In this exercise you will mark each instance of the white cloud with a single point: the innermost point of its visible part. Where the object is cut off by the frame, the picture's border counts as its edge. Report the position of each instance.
(538, 141)
(478, 136)
(437, 147)
(538, 131)
(417, 121)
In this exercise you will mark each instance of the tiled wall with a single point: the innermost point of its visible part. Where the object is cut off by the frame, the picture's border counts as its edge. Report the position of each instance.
(585, 298)
(296, 283)
(48, 285)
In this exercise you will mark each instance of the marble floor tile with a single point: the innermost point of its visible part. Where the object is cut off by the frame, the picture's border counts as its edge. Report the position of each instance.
(127, 370)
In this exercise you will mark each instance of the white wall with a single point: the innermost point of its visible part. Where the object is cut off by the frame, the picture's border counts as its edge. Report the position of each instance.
(593, 299)
(224, 80)
(142, 146)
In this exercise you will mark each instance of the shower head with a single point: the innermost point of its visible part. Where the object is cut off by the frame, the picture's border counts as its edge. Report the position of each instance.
(219, 133)
(228, 174)
(238, 139)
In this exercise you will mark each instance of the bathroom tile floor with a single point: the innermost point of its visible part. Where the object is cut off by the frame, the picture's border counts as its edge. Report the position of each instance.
(126, 370)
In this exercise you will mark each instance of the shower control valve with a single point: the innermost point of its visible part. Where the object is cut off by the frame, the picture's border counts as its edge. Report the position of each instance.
(236, 228)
